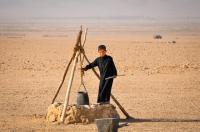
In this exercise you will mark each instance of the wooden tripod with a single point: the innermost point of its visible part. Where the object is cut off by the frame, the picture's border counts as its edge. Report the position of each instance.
(78, 51)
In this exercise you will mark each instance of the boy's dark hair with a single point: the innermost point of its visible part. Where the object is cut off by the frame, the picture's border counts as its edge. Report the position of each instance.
(101, 47)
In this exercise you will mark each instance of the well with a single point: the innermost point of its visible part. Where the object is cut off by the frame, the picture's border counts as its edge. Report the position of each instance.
(81, 114)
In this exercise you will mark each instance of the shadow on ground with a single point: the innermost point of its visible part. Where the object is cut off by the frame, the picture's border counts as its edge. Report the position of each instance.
(125, 122)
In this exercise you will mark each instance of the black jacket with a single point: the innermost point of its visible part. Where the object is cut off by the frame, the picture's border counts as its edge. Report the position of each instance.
(106, 66)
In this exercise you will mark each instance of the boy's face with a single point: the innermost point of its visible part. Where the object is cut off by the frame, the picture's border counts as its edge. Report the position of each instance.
(102, 52)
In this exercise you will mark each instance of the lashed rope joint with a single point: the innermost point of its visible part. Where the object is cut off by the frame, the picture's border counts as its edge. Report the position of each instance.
(79, 48)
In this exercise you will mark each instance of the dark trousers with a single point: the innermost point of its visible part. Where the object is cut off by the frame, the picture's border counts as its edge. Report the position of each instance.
(105, 87)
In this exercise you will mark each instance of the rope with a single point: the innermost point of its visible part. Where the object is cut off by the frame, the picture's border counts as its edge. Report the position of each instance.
(81, 65)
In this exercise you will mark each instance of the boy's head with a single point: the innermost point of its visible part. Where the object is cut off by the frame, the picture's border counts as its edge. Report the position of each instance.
(102, 50)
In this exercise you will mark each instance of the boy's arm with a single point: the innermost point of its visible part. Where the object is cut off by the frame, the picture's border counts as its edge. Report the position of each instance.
(111, 64)
(91, 65)
(114, 68)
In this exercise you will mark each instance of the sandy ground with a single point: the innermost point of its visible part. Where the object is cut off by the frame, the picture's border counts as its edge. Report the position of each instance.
(161, 88)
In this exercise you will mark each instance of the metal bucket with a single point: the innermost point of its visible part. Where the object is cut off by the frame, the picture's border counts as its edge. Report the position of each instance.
(107, 124)
(82, 98)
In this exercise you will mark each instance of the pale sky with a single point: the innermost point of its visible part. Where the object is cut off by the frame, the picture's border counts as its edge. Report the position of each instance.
(99, 8)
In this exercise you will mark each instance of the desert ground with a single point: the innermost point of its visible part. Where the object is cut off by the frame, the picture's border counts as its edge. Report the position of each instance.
(160, 89)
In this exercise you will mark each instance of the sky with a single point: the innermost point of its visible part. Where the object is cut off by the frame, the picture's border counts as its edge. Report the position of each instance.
(99, 8)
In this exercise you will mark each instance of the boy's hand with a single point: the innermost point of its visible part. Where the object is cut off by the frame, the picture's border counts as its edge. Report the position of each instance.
(83, 69)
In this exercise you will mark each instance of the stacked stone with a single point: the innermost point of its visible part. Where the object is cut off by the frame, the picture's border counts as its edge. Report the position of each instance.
(81, 114)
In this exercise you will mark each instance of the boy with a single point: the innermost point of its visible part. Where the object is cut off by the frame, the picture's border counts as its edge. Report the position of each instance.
(107, 69)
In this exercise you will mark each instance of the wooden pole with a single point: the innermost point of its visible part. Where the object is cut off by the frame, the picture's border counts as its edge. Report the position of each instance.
(69, 87)
(63, 79)
(85, 37)
(120, 107)
(65, 73)
(76, 53)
